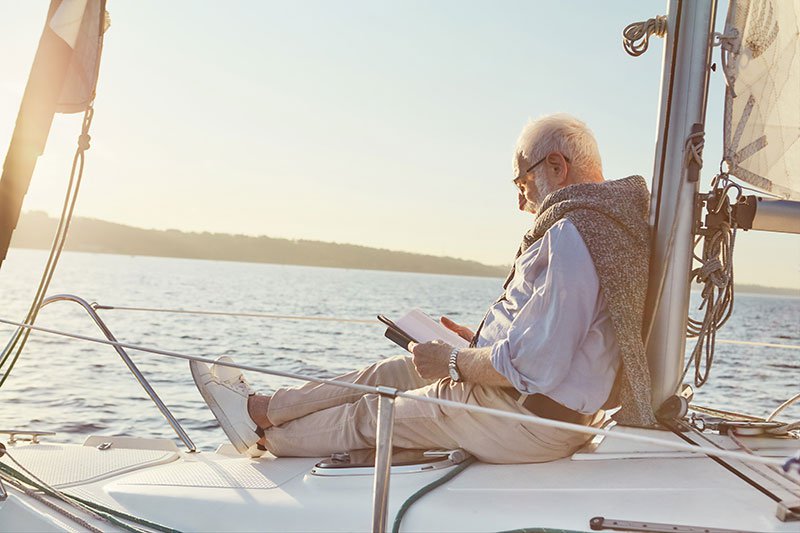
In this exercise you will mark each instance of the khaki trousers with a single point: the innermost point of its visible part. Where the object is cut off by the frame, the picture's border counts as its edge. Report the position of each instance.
(317, 420)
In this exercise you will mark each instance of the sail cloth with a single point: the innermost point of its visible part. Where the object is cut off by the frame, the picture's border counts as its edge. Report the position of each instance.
(62, 80)
(80, 23)
(761, 62)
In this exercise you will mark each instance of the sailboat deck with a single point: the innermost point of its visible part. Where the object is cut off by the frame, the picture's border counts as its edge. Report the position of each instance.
(215, 491)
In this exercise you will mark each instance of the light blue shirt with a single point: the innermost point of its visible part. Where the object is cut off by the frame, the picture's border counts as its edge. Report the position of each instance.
(552, 333)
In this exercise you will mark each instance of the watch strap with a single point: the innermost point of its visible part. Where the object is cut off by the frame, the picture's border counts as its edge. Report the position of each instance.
(455, 375)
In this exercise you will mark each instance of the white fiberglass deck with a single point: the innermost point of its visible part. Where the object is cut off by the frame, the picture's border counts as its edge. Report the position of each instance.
(220, 492)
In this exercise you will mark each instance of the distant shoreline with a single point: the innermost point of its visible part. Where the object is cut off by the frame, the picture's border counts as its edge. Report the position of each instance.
(36, 228)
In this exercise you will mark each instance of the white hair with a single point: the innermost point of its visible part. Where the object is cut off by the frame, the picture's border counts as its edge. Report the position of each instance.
(560, 133)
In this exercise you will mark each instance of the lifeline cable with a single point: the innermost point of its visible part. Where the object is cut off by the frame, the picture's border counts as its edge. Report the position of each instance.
(589, 430)
(99, 307)
(345, 320)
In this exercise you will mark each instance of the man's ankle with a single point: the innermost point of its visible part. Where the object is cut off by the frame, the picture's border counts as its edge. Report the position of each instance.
(257, 406)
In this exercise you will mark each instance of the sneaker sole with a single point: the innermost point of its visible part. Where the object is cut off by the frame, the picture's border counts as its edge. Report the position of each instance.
(233, 435)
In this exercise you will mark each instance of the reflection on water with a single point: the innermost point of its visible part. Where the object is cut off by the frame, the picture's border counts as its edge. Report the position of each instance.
(76, 388)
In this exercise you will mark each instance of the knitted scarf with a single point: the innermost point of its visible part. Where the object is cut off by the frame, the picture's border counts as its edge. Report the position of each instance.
(611, 217)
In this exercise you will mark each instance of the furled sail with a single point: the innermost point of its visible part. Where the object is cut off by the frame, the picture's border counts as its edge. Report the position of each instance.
(761, 62)
(62, 80)
(80, 23)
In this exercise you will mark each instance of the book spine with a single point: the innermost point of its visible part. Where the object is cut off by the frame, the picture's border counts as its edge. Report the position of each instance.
(398, 338)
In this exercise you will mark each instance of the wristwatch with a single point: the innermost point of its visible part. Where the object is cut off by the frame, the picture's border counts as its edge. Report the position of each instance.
(454, 375)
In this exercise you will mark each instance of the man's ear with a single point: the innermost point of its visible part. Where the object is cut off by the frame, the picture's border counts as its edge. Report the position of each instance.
(558, 167)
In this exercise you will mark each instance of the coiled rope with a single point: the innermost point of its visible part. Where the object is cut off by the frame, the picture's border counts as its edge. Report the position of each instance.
(715, 273)
(642, 31)
(532, 419)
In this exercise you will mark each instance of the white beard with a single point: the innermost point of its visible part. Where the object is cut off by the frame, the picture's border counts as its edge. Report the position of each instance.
(543, 189)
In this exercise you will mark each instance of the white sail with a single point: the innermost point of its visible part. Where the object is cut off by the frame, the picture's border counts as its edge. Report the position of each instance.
(761, 60)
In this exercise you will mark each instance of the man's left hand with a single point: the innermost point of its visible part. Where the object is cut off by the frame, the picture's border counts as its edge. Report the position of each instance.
(431, 359)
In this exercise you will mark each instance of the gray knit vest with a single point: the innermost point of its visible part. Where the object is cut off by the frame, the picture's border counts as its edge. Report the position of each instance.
(611, 217)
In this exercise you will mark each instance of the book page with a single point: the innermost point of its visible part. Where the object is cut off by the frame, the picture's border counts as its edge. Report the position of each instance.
(425, 329)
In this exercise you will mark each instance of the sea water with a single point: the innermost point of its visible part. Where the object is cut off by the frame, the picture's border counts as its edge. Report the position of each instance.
(76, 388)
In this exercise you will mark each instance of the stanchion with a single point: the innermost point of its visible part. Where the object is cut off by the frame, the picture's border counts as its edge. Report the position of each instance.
(383, 458)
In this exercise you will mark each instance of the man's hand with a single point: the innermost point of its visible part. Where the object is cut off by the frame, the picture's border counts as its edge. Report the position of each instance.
(462, 331)
(431, 359)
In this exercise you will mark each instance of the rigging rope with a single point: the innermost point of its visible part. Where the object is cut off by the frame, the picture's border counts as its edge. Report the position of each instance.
(11, 480)
(716, 274)
(779, 471)
(26, 477)
(17, 342)
(783, 406)
(678, 427)
(13, 349)
(424, 399)
(727, 415)
(97, 511)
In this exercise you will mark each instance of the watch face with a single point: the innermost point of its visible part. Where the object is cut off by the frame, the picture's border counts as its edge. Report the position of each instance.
(454, 374)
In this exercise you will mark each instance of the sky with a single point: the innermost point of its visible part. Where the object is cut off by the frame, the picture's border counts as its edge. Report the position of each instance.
(385, 124)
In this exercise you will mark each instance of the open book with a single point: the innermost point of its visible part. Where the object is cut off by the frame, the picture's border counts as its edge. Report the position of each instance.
(416, 326)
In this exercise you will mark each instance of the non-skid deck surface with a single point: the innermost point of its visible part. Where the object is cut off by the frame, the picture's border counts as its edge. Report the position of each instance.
(65, 465)
(231, 473)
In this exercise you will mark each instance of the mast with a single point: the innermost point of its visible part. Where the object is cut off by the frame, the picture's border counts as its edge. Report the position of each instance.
(684, 91)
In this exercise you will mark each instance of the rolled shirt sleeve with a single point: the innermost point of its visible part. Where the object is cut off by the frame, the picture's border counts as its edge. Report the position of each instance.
(546, 331)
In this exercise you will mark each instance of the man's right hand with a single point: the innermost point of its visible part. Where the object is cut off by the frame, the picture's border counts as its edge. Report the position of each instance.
(462, 331)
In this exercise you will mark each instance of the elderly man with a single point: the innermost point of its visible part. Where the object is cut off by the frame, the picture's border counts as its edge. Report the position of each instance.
(562, 342)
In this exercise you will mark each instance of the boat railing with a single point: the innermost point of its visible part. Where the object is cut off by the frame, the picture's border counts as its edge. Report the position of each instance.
(386, 404)
(385, 429)
(90, 309)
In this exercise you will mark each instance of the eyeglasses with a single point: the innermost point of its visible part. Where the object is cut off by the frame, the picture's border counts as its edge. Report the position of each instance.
(520, 180)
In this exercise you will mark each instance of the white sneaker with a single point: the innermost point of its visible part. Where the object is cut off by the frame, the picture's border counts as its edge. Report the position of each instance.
(225, 390)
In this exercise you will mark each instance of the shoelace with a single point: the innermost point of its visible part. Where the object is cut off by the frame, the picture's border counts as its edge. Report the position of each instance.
(242, 386)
